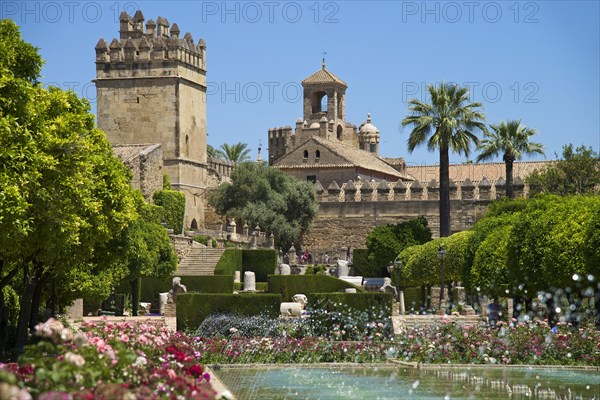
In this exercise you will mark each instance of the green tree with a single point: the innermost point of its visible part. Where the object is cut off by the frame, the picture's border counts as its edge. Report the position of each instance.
(260, 195)
(237, 152)
(489, 270)
(578, 172)
(449, 122)
(65, 192)
(148, 249)
(386, 242)
(211, 152)
(512, 140)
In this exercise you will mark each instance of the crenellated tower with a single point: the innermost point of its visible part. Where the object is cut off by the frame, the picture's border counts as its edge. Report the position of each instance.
(151, 88)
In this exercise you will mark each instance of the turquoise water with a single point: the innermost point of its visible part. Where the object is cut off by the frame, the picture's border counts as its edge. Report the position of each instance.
(385, 382)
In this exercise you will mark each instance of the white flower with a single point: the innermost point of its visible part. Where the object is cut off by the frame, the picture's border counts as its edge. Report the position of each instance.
(140, 361)
(75, 359)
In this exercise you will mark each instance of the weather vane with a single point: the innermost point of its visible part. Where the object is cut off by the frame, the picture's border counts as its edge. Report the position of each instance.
(324, 53)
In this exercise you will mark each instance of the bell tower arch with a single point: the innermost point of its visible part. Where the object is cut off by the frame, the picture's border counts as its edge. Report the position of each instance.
(320, 86)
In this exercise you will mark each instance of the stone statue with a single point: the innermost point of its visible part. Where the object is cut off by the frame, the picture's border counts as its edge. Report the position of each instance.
(300, 299)
(178, 288)
(388, 288)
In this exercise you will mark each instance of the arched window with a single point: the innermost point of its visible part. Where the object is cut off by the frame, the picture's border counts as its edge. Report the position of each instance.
(305, 153)
(339, 132)
(318, 154)
(319, 102)
(194, 224)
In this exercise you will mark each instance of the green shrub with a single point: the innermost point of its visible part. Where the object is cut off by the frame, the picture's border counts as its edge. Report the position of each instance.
(214, 243)
(260, 286)
(193, 308)
(202, 239)
(289, 285)
(173, 204)
(364, 302)
(261, 262)
(412, 298)
(317, 269)
(152, 213)
(350, 316)
(363, 266)
(150, 287)
(230, 261)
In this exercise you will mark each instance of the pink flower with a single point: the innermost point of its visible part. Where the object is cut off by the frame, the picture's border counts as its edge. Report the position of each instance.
(171, 373)
(124, 338)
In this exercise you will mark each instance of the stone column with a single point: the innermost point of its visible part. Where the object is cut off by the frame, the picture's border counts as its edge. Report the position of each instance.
(249, 281)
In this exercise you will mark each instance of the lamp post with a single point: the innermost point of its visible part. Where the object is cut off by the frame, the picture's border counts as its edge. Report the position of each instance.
(397, 266)
(442, 255)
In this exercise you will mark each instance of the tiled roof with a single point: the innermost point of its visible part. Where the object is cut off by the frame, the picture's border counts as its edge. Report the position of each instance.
(127, 152)
(476, 172)
(353, 157)
(324, 76)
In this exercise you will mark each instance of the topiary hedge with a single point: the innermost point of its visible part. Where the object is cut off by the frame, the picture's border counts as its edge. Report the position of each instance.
(152, 213)
(289, 285)
(230, 261)
(173, 204)
(204, 284)
(365, 267)
(367, 302)
(350, 316)
(262, 262)
(193, 308)
(412, 298)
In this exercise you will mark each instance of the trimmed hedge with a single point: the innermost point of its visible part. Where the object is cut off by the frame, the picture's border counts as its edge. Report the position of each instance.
(289, 285)
(412, 298)
(230, 261)
(193, 308)
(150, 287)
(259, 286)
(173, 204)
(363, 302)
(152, 213)
(365, 267)
(262, 262)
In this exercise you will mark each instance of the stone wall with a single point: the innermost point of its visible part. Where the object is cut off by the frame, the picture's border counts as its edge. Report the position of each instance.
(344, 224)
(347, 214)
(182, 245)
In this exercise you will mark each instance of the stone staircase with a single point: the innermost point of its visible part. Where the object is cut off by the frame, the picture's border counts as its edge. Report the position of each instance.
(199, 261)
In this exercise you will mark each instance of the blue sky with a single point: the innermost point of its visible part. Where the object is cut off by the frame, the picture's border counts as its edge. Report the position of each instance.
(538, 61)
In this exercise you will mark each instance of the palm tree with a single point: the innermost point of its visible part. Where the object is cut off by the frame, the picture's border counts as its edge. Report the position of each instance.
(237, 152)
(512, 139)
(448, 123)
(211, 152)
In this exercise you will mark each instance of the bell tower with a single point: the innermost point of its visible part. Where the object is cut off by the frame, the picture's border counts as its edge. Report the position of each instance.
(325, 96)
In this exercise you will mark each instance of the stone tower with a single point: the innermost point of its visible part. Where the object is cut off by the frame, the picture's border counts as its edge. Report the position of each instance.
(324, 115)
(151, 88)
(325, 96)
(368, 136)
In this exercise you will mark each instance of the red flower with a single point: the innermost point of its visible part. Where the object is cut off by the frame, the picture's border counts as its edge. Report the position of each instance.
(195, 370)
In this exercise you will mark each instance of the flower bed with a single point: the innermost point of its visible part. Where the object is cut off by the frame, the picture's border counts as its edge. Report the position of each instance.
(521, 343)
(107, 361)
(129, 360)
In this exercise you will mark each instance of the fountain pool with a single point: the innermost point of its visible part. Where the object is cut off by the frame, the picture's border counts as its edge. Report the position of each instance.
(400, 382)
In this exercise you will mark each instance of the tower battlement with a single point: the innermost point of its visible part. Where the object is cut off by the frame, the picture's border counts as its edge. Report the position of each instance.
(139, 51)
(151, 88)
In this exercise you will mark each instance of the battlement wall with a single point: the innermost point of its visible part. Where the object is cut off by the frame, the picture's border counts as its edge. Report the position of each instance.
(348, 213)
(140, 52)
(363, 191)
